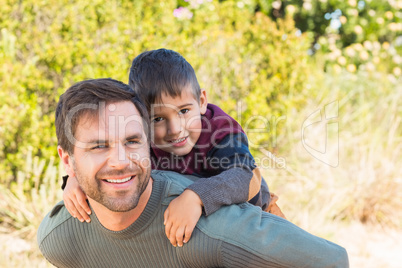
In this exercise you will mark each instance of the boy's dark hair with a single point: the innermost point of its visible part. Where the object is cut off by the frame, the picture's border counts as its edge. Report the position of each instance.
(84, 98)
(161, 71)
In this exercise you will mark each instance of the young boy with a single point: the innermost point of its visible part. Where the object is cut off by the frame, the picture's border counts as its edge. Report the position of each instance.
(192, 137)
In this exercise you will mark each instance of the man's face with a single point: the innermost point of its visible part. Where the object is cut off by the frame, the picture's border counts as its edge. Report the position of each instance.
(176, 121)
(111, 156)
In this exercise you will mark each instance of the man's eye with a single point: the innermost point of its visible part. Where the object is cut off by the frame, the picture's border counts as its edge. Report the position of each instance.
(184, 111)
(133, 142)
(99, 146)
(157, 119)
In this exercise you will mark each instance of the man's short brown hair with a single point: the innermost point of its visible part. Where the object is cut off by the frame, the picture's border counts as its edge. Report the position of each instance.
(84, 98)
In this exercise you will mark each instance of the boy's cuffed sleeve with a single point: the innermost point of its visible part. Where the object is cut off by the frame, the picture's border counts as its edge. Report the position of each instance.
(237, 175)
(229, 187)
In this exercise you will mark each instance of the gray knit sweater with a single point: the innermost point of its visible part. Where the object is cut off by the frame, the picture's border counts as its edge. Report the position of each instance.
(234, 236)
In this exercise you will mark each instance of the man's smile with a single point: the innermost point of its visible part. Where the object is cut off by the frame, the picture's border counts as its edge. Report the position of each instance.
(120, 180)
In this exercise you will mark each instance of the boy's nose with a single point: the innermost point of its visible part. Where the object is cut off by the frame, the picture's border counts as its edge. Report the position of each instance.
(175, 126)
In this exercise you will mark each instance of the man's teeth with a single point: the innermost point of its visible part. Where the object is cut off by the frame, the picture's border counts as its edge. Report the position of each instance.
(179, 140)
(119, 181)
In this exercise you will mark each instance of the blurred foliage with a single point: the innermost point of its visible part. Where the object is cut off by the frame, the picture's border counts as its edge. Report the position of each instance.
(338, 28)
(260, 60)
(351, 34)
(354, 20)
(35, 192)
(49, 45)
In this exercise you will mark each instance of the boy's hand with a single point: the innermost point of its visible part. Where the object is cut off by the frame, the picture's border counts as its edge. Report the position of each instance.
(75, 200)
(181, 216)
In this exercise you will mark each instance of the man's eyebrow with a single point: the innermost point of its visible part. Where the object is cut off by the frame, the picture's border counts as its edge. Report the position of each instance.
(97, 141)
(133, 137)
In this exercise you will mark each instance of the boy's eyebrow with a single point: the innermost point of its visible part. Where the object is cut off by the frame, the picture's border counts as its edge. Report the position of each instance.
(184, 105)
(155, 114)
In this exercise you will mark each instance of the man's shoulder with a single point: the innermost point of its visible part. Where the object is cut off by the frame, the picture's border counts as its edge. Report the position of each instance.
(242, 225)
(223, 223)
(175, 182)
(268, 236)
(174, 177)
(57, 216)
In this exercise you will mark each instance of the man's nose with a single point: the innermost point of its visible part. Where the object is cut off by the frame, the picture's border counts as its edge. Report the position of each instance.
(118, 157)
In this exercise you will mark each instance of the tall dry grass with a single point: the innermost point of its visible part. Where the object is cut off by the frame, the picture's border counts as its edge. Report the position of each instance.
(365, 182)
(22, 207)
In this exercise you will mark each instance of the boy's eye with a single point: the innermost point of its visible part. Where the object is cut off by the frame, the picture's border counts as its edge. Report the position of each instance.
(157, 119)
(184, 111)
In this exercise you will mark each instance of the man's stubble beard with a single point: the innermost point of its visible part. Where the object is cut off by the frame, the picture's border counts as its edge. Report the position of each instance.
(114, 204)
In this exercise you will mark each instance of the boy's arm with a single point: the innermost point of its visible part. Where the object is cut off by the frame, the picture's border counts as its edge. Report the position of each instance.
(75, 199)
(229, 187)
(183, 213)
(181, 216)
(237, 172)
(236, 169)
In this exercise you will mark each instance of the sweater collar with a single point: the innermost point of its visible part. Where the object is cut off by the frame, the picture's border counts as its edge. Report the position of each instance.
(146, 217)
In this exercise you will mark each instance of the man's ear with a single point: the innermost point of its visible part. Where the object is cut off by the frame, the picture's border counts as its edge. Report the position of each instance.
(203, 101)
(66, 160)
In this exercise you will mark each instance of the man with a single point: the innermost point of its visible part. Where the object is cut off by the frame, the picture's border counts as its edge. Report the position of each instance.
(103, 135)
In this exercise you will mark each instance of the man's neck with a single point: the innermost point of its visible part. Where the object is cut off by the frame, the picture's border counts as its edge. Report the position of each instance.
(117, 221)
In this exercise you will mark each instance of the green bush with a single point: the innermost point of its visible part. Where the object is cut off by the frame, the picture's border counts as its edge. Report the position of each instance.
(338, 27)
(23, 123)
(237, 54)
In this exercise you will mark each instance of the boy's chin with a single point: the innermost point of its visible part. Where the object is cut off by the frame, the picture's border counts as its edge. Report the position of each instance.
(178, 151)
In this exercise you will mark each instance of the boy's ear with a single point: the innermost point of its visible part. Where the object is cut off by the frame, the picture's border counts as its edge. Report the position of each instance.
(66, 160)
(203, 101)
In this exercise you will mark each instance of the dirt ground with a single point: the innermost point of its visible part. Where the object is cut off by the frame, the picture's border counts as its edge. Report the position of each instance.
(371, 246)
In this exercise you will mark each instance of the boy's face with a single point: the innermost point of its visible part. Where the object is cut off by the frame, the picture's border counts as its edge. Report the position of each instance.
(176, 121)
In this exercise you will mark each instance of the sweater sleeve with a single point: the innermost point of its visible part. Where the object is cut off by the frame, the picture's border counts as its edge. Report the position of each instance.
(250, 237)
(247, 237)
(233, 162)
